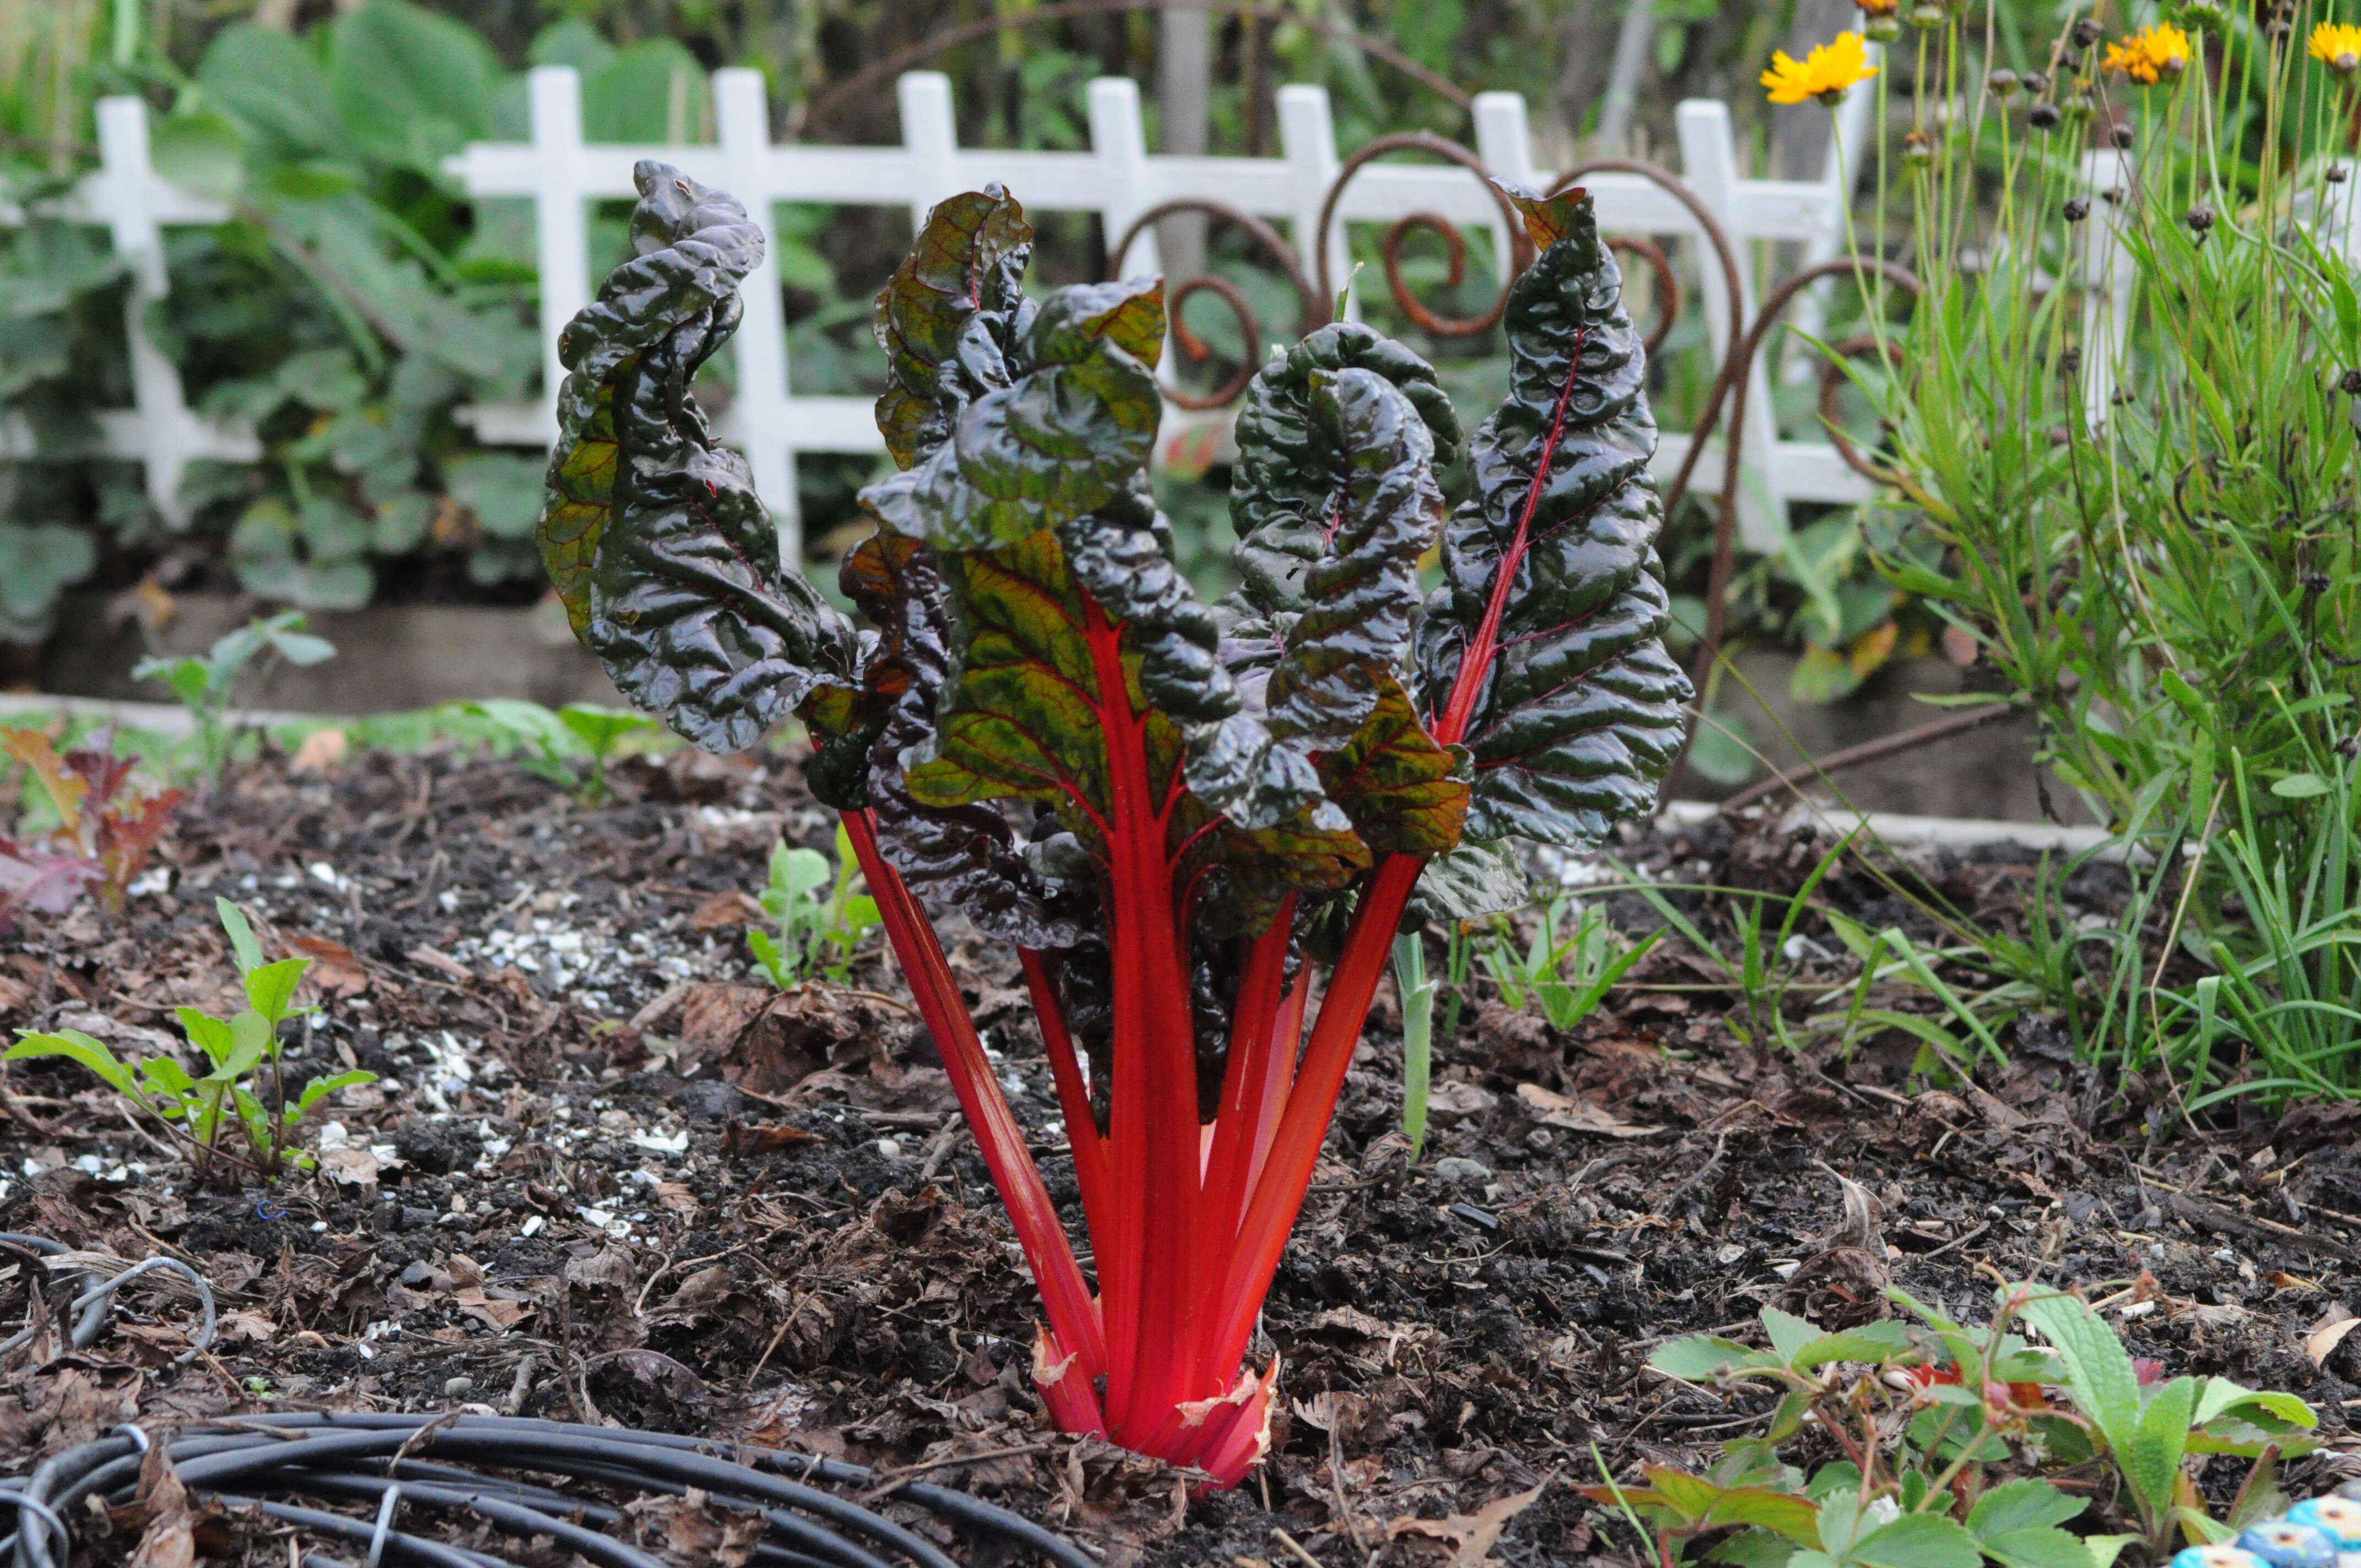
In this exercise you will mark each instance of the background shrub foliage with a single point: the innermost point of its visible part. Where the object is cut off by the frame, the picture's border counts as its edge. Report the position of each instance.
(357, 300)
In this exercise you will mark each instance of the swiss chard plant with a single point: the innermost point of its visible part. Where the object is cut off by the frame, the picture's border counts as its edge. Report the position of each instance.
(1179, 813)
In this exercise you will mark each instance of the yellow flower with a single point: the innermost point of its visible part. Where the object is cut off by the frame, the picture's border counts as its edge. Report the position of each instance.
(1878, 7)
(1824, 74)
(2151, 55)
(2337, 45)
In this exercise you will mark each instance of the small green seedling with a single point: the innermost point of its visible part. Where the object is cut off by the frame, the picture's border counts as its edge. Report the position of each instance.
(1570, 978)
(198, 1110)
(819, 932)
(1417, 988)
(205, 683)
(556, 741)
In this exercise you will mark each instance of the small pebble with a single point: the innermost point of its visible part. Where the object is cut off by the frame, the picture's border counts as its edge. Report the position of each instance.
(458, 1387)
(1457, 1167)
(890, 1148)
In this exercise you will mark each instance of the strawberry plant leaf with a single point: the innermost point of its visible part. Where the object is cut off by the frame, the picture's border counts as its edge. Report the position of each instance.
(2020, 1505)
(1917, 1540)
(1572, 707)
(2098, 1370)
(1698, 1359)
(666, 558)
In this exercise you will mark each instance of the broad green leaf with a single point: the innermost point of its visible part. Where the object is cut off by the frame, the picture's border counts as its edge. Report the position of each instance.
(1789, 1333)
(1765, 1508)
(2018, 1505)
(241, 936)
(2038, 1546)
(2160, 1442)
(409, 87)
(2098, 1370)
(1917, 1540)
(600, 728)
(1472, 881)
(76, 1046)
(250, 1041)
(208, 1034)
(271, 988)
(683, 598)
(2301, 787)
(200, 153)
(1869, 1342)
(2219, 1396)
(319, 1088)
(1753, 1547)
(1699, 1358)
(271, 84)
(167, 1077)
(1577, 709)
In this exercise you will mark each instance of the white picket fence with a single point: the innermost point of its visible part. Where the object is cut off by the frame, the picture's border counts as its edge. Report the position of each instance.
(158, 432)
(1117, 179)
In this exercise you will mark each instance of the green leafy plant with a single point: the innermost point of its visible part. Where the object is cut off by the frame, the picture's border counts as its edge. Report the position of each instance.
(103, 828)
(1416, 989)
(1568, 978)
(556, 743)
(2150, 541)
(237, 1051)
(1173, 811)
(821, 919)
(205, 684)
(1951, 1436)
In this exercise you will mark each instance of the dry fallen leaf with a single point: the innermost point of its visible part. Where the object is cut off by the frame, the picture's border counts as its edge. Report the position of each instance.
(1472, 1536)
(731, 908)
(321, 750)
(1556, 1110)
(335, 969)
(170, 1540)
(2322, 1339)
(688, 1529)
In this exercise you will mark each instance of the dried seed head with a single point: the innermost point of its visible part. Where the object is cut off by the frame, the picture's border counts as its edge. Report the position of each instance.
(2060, 436)
(2077, 208)
(2314, 582)
(1917, 150)
(2004, 83)
(2210, 15)
(2349, 383)
(2337, 174)
(2200, 218)
(1884, 28)
(2043, 116)
(2277, 30)
(2122, 395)
(2120, 134)
(2349, 747)
(2035, 81)
(2087, 32)
(2069, 361)
(1926, 15)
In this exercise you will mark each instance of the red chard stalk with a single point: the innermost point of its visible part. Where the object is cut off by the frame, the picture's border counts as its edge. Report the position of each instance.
(1158, 803)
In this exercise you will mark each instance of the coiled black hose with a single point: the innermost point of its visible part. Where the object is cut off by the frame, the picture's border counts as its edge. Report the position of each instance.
(423, 1463)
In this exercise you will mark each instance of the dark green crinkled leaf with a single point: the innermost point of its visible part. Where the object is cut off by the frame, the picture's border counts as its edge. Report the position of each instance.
(946, 318)
(1334, 503)
(1475, 880)
(1060, 442)
(1084, 667)
(666, 559)
(1580, 712)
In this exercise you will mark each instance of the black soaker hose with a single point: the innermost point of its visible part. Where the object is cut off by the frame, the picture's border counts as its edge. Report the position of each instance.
(418, 1462)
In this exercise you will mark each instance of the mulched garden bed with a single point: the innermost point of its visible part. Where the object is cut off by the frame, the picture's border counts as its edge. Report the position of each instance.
(607, 1177)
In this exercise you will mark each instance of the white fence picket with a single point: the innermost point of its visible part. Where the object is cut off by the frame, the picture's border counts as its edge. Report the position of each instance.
(160, 432)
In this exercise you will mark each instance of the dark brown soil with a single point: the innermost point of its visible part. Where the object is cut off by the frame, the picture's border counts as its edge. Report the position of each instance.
(606, 1178)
